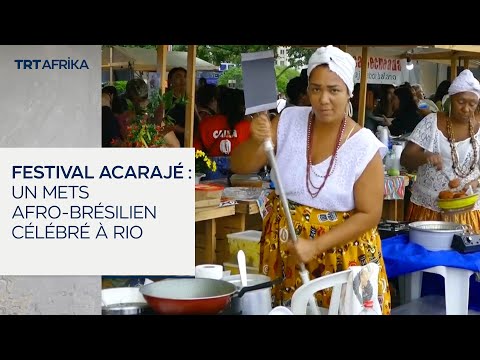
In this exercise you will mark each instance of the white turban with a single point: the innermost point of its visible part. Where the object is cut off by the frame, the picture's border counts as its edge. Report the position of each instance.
(465, 81)
(338, 61)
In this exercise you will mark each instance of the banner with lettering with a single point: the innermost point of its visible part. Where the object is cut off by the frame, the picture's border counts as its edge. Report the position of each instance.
(381, 70)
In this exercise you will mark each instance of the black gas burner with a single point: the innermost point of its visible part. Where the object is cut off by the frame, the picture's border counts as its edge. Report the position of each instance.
(389, 228)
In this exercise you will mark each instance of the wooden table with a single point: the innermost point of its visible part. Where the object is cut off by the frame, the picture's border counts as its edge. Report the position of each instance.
(213, 224)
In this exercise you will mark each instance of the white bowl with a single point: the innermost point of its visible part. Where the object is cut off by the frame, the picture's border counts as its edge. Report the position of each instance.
(280, 310)
(122, 295)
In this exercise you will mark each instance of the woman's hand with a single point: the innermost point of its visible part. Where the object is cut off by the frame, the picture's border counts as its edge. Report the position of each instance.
(304, 249)
(434, 159)
(474, 185)
(387, 121)
(260, 128)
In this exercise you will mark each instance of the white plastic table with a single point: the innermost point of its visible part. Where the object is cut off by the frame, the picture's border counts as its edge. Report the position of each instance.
(457, 286)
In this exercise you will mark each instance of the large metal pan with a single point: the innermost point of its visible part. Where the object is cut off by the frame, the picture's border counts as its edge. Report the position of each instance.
(188, 296)
(198, 296)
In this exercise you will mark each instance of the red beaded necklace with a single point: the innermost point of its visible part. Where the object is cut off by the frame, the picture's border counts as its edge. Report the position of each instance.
(333, 161)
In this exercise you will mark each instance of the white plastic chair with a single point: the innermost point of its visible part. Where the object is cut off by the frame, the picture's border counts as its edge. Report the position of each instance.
(303, 293)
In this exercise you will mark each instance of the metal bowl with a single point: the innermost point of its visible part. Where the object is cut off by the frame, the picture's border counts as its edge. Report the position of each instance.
(435, 226)
(434, 235)
(127, 309)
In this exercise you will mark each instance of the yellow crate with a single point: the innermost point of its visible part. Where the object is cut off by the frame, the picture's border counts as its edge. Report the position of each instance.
(249, 242)
(233, 268)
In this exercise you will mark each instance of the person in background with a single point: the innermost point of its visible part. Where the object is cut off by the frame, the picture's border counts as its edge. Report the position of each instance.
(439, 96)
(207, 101)
(407, 114)
(131, 104)
(177, 83)
(134, 103)
(202, 82)
(110, 127)
(297, 92)
(444, 151)
(332, 174)
(219, 134)
(422, 102)
(385, 105)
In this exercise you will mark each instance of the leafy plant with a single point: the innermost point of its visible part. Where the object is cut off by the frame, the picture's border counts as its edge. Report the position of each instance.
(149, 126)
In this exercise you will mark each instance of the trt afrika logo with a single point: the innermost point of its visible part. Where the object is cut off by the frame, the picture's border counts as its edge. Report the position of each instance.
(53, 64)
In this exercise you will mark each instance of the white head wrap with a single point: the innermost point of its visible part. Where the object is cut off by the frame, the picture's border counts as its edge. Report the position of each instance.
(465, 81)
(338, 61)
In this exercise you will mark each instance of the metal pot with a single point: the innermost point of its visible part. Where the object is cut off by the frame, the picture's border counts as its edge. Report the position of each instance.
(127, 309)
(434, 235)
(255, 298)
(124, 301)
(194, 296)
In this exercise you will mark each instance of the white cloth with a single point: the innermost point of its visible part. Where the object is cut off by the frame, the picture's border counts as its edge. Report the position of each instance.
(338, 61)
(464, 82)
(360, 293)
(353, 157)
(429, 181)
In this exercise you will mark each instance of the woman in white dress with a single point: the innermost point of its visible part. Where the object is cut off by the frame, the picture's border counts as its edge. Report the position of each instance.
(444, 151)
(332, 174)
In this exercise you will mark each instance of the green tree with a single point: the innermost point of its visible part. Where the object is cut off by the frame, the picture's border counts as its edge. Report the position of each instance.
(283, 77)
(234, 73)
(217, 54)
(298, 56)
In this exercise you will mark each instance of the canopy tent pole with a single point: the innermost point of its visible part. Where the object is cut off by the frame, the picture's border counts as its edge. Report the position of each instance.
(453, 68)
(111, 65)
(162, 65)
(190, 108)
(362, 105)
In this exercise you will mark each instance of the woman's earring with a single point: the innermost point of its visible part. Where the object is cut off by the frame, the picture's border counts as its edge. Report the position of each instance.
(349, 110)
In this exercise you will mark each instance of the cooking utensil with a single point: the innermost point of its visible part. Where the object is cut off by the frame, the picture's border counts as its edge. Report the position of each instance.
(123, 301)
(242, 266)
(434, 235)
(188, 296)
(269, 149)
(135, 308)
(256, 297)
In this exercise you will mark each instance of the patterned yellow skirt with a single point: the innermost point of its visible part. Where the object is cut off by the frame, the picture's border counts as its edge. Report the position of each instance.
(419, 213)
(310, 222)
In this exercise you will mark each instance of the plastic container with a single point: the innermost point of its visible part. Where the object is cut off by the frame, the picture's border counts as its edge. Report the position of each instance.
(232, 269)
(248, 180)
(393, 164)
(382, 135)
(208, 192)
(243, 193)
(249, 242)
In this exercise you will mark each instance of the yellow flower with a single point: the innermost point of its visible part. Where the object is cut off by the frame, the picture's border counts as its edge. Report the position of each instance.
(214, 166)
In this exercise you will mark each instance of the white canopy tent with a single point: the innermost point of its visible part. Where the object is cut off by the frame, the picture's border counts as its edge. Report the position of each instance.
(141, 59)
